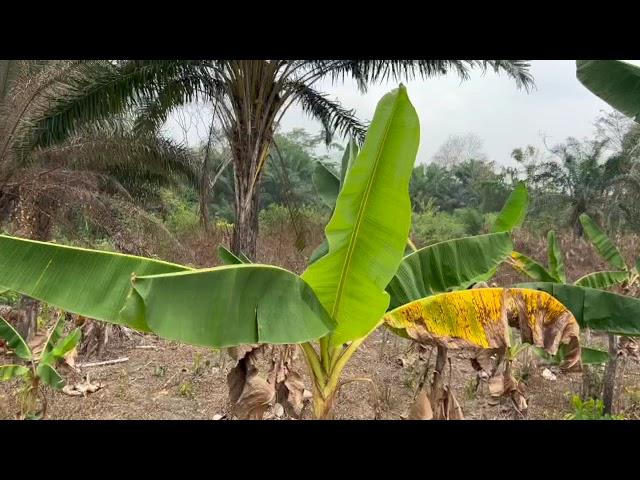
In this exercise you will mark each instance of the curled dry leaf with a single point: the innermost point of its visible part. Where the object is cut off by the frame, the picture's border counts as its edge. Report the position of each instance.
(70, 358)
(36, 344)
(250, 393)
(241, 351)
(453, 410)
(288, 383)
(278, 410)
(81, 389)
(295, 394)
(480, 318)
(507, 386)
(628, 347)
(421, 407)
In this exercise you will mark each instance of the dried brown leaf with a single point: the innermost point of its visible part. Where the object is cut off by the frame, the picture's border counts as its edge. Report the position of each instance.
(454, 411)
(421, 408)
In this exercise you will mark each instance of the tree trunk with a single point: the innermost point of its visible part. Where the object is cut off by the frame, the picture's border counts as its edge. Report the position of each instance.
(245, 227)
(609, 389)
(248, 162)
(34, 222)
(204, 182)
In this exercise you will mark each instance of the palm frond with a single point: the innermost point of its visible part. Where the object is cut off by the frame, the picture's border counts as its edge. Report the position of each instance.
(366, 72)
(123, 154)
(97, 90)
(333, 116)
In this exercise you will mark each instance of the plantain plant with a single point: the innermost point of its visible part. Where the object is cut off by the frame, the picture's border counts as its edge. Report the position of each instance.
(606, 312)
(361, 281)
(36, 365)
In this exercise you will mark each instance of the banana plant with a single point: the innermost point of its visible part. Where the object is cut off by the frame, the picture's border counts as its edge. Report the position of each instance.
(593, 307)
(556, 271)
(333, 306)
(36, 365)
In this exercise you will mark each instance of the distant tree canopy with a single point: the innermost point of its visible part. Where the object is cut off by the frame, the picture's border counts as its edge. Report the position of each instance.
(599, 176)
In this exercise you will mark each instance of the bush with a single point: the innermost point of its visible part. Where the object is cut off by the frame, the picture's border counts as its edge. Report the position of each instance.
(182, 215)
(471, 218)
(432, 227)
(276, 218)
(591, 409)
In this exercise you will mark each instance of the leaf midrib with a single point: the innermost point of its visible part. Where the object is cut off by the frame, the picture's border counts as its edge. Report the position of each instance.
(356, 230)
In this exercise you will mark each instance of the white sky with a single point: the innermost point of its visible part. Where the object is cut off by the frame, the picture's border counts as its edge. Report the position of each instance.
(490, 106)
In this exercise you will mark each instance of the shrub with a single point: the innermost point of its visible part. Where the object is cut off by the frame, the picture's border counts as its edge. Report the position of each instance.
(182, 215)
(471, 219)
(432, 227)
(591, 409)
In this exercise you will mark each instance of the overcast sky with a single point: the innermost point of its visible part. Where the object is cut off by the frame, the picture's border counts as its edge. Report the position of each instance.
(490, 106)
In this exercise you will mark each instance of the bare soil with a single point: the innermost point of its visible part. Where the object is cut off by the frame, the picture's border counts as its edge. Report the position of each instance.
(166, 380)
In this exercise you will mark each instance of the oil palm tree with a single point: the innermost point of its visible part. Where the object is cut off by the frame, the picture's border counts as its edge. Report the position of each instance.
(249, 98)
(95, 166)
(99, 173)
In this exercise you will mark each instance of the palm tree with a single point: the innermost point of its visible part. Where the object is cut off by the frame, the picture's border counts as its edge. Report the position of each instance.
(97, 174)
(91, 169)
(249, 98)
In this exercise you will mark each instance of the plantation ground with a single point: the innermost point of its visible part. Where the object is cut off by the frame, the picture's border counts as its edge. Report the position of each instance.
(166, 380)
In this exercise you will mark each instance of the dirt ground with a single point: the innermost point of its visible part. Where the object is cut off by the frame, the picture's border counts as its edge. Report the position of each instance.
(165, 380)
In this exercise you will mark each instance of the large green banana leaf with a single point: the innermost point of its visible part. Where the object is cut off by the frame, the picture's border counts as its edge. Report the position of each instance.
(602, 280)
(328, 186)
(446, 266)
(514, 210)
(588, 356)
(229, 258)
(350, 154)
(327, 183)
(15, 342)
(606, 248)
(614, 81)
(217, 307)
(556, 262)
(596, 309)
(531, 268)
(227, 306)
(88, 282)
(368, 230)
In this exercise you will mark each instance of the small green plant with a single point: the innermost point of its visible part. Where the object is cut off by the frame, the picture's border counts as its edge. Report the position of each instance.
(471, 389)
(591, 409)
(36, 368)
(198, 364)
(159, 371)
(186, 390)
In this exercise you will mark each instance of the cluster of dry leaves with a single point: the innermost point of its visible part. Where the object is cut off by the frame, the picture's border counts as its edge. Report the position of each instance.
(252, 395)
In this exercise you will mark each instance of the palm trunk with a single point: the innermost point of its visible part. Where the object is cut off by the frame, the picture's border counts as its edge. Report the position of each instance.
(34, 222)
(204, 183)
(248, 163)
(245, 227)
